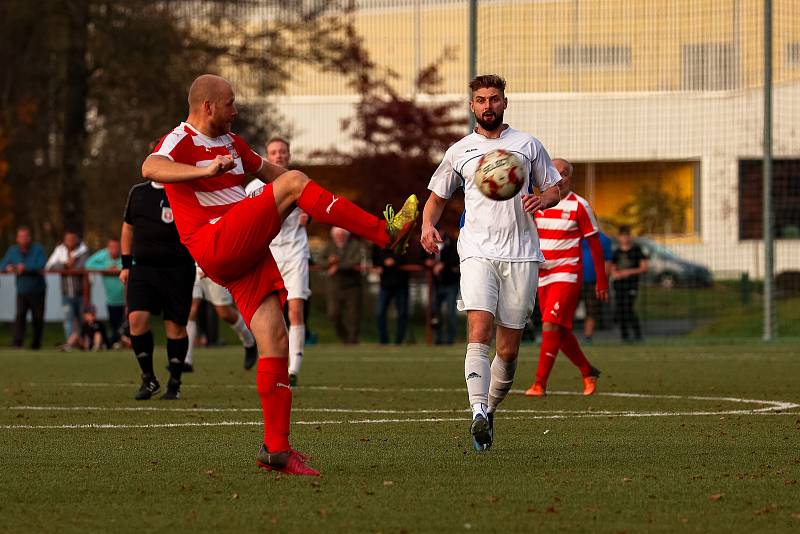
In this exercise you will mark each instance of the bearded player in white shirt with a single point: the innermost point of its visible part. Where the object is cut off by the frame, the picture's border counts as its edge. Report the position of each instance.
(498, 247)
(290, 250)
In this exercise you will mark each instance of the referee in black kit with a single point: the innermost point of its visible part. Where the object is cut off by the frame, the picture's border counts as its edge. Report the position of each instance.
(158, 273)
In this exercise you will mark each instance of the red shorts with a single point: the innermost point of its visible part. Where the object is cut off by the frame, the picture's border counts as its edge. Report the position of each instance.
(558, 302)
(234, 252)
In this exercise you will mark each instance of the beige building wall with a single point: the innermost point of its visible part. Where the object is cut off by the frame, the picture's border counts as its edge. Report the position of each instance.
(691, 91)
(656, 41)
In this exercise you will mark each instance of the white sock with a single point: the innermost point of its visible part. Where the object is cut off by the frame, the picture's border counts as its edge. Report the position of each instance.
(241, 330)
(191, 332)
(502, 378)
(297, 343)
(479, 408)
(477, 373)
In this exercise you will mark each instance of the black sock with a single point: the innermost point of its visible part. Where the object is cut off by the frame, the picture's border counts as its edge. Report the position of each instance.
(176, 353)
(143, 350)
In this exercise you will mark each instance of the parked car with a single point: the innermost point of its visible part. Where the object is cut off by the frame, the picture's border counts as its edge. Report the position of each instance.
(668, 270)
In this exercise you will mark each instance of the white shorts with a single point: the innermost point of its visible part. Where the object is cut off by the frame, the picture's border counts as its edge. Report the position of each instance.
(503, 288)
(295, 278)
(205, 288)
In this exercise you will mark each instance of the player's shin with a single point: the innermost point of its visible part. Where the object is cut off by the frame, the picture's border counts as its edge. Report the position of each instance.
(191, 332)
(244, 334)
(297, 341)
(477, 373)
(502, 378)
(176, 353)
(142, 346)
(571, 348)
(328, 208)
(272, 383)
(551, 341)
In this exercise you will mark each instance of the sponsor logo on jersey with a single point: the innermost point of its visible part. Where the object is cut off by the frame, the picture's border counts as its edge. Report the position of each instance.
(232, 149)
(166, 215)
(470, 150)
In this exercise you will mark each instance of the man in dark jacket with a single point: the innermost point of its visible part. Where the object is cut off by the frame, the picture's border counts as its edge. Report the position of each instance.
(26, 260)
(344, 255)
(394, 287)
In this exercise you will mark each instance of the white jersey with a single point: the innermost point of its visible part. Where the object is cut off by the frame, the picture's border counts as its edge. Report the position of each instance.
(496, 230)
(291, 243)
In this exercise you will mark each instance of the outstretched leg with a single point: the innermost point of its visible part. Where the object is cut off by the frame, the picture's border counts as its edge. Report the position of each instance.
(294, 187)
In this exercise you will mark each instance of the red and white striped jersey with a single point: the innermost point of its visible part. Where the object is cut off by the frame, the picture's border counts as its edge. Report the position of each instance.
(561, 229)
(196, 203)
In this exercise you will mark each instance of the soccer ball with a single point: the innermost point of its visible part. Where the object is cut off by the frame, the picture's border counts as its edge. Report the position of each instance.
(499, 175)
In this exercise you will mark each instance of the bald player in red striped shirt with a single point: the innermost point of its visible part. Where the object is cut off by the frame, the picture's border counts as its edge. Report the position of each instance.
(561, 229)
(204, 167)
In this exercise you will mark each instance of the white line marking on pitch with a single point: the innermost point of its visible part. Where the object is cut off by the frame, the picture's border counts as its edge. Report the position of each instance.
(102, 426)
(767, 408)
(770, 405)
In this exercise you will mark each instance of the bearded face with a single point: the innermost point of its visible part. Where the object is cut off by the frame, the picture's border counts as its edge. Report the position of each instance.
(488, 104)
(490, 120)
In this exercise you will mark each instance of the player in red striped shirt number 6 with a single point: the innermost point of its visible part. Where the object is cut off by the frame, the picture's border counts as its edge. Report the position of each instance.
(205, 168)
(561, 229)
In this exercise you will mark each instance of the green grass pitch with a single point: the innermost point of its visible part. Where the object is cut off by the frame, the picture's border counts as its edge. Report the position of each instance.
(680, 438)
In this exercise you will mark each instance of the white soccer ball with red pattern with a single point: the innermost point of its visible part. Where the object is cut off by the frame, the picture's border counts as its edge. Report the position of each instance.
(500, 175)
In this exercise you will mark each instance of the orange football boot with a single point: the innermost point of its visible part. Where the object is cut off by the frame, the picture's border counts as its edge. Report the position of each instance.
(590, 382)
(536, 390)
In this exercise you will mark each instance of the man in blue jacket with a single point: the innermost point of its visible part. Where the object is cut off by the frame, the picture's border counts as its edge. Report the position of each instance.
(26, 259)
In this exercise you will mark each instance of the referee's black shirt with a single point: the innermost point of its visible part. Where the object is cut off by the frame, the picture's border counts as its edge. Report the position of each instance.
(155, 239)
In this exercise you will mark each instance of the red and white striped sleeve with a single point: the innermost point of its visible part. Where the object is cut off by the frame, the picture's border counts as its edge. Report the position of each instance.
(172, 146)
(587, 223)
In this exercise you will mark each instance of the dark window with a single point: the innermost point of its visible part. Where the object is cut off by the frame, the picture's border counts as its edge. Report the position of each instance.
(785, 198)
(708, 67)
(793, 55)
(592, 56)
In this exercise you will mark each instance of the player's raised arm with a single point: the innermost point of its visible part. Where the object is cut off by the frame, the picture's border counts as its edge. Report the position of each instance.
(431, 214)
(162, 169)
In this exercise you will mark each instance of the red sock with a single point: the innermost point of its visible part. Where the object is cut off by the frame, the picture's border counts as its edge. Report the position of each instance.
(272, 382)
(327, 208)
(570, 346)
(547, 354)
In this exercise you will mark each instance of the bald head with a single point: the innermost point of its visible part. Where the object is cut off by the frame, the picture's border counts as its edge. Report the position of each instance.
(208, 88)
(211, 107)
(563, 167)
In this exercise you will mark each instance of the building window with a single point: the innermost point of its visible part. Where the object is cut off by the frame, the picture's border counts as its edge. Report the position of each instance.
(785, 198)
(590, 56)
(793, 55)
(708, 67)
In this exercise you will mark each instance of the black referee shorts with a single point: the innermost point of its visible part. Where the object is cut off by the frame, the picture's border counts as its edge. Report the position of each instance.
(157, 289)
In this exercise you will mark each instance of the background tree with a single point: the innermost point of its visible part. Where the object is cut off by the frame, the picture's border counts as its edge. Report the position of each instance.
(655, 209)
(89, 84)
(397, 140)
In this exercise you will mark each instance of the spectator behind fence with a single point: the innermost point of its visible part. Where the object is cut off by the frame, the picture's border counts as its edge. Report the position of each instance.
(445, 267)
(394, 287)
(110, 259)
(70, 254)
(594, 308)
(26, 260)
(627, 263)
(343, 254)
